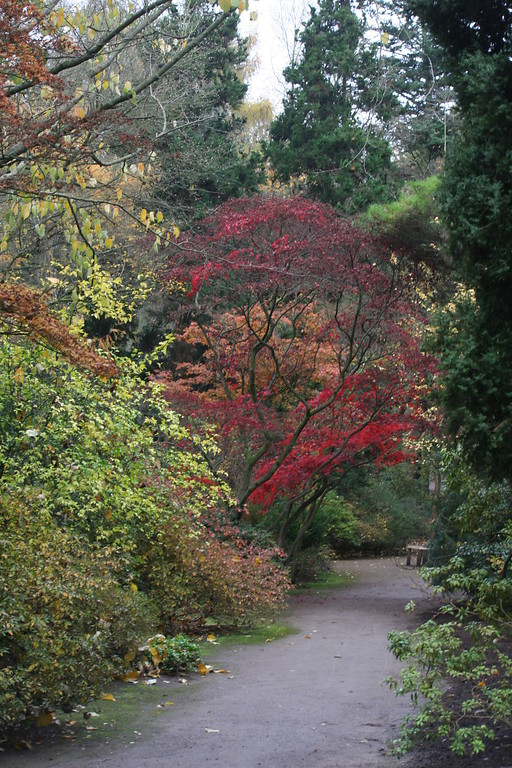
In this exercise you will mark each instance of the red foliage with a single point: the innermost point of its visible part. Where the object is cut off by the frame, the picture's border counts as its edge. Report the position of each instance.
(304, 335)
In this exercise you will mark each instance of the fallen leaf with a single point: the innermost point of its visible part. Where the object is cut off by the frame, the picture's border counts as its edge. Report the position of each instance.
(23, 745)
(308, 637)
(150, 681)
(221, 671)
(107, 697)
(212, 730)
(211, 638)
(269, 640)
(169, 704)
(337, 657)
(130, 677)
(130, 655)
(44, 719)
(182, 680)
(202, 669)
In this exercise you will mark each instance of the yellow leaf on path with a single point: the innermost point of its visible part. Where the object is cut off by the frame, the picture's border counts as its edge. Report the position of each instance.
(108, 697)
(169, 703)
(130, 676)
(44, 719)
(202, 669)
(211, 638)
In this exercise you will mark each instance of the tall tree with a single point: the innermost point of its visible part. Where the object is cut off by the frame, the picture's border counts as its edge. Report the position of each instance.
(325, 132)
(200, 162)
(476, 336)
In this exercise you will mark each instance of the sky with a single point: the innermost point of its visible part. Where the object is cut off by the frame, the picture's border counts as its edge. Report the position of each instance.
(274, 28)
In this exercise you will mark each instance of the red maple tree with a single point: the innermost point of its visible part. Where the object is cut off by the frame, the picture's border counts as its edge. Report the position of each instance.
(303, 336)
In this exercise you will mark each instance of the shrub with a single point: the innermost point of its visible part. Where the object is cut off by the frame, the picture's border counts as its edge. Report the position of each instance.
(212, 577)
(65, 622)
(173, 654)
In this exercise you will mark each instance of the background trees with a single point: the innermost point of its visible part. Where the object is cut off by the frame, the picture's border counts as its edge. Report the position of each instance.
(322, 132)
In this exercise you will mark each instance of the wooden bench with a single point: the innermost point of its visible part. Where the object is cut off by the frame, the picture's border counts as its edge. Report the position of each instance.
(419, 551)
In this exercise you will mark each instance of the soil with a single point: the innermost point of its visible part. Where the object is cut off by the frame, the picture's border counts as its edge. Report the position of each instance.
(313, 698)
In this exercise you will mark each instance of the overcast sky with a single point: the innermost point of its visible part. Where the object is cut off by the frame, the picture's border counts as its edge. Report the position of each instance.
(274, 29)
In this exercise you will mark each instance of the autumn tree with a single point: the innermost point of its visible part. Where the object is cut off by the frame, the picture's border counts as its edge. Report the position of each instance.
(303, 349)
(72, 157)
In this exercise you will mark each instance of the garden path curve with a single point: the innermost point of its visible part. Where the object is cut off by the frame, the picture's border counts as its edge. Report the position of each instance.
(313, 699)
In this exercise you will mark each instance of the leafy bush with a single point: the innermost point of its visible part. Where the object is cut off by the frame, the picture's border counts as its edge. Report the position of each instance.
(174, 654)
(65, 622)
(468, 646)
(216, 578)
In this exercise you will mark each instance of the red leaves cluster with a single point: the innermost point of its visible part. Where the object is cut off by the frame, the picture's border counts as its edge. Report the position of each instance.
(304, 339)
(23, 311)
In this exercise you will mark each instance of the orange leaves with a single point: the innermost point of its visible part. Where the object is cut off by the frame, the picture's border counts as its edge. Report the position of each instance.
(23, 310)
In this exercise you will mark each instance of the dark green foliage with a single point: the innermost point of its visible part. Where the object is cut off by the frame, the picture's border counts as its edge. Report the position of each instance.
(199, 164)
(318, 135)
(467, 25)
(475, 338)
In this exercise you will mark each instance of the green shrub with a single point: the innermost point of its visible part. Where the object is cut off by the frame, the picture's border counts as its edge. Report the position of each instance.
(173, 654)
(65, 622)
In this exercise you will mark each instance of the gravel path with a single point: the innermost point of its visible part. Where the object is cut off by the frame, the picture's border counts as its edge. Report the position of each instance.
(311, 699)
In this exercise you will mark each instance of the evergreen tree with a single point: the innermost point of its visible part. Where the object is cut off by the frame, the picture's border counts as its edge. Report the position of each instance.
(327, 132)
(198, 158)
(475, 339)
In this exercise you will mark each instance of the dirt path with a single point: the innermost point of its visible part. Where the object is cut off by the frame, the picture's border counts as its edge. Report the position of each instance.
(311, 699)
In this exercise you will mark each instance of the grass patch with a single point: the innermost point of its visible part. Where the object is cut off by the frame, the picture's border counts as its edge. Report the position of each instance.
(326, 580)
(264, 633)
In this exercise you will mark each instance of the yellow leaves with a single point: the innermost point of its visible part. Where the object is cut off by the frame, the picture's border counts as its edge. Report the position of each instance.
(202, 669)
(130, 677)
(134, 588)
(140, 167)
(108, 697)
(225, 5)
(385, 38)
(108, 242)
(119, 193)
(79, 112)
(25, 210)
(159, 217)
(176, 232)
(143, 215)
(45, 719)
(130, 655)
(19, 375)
